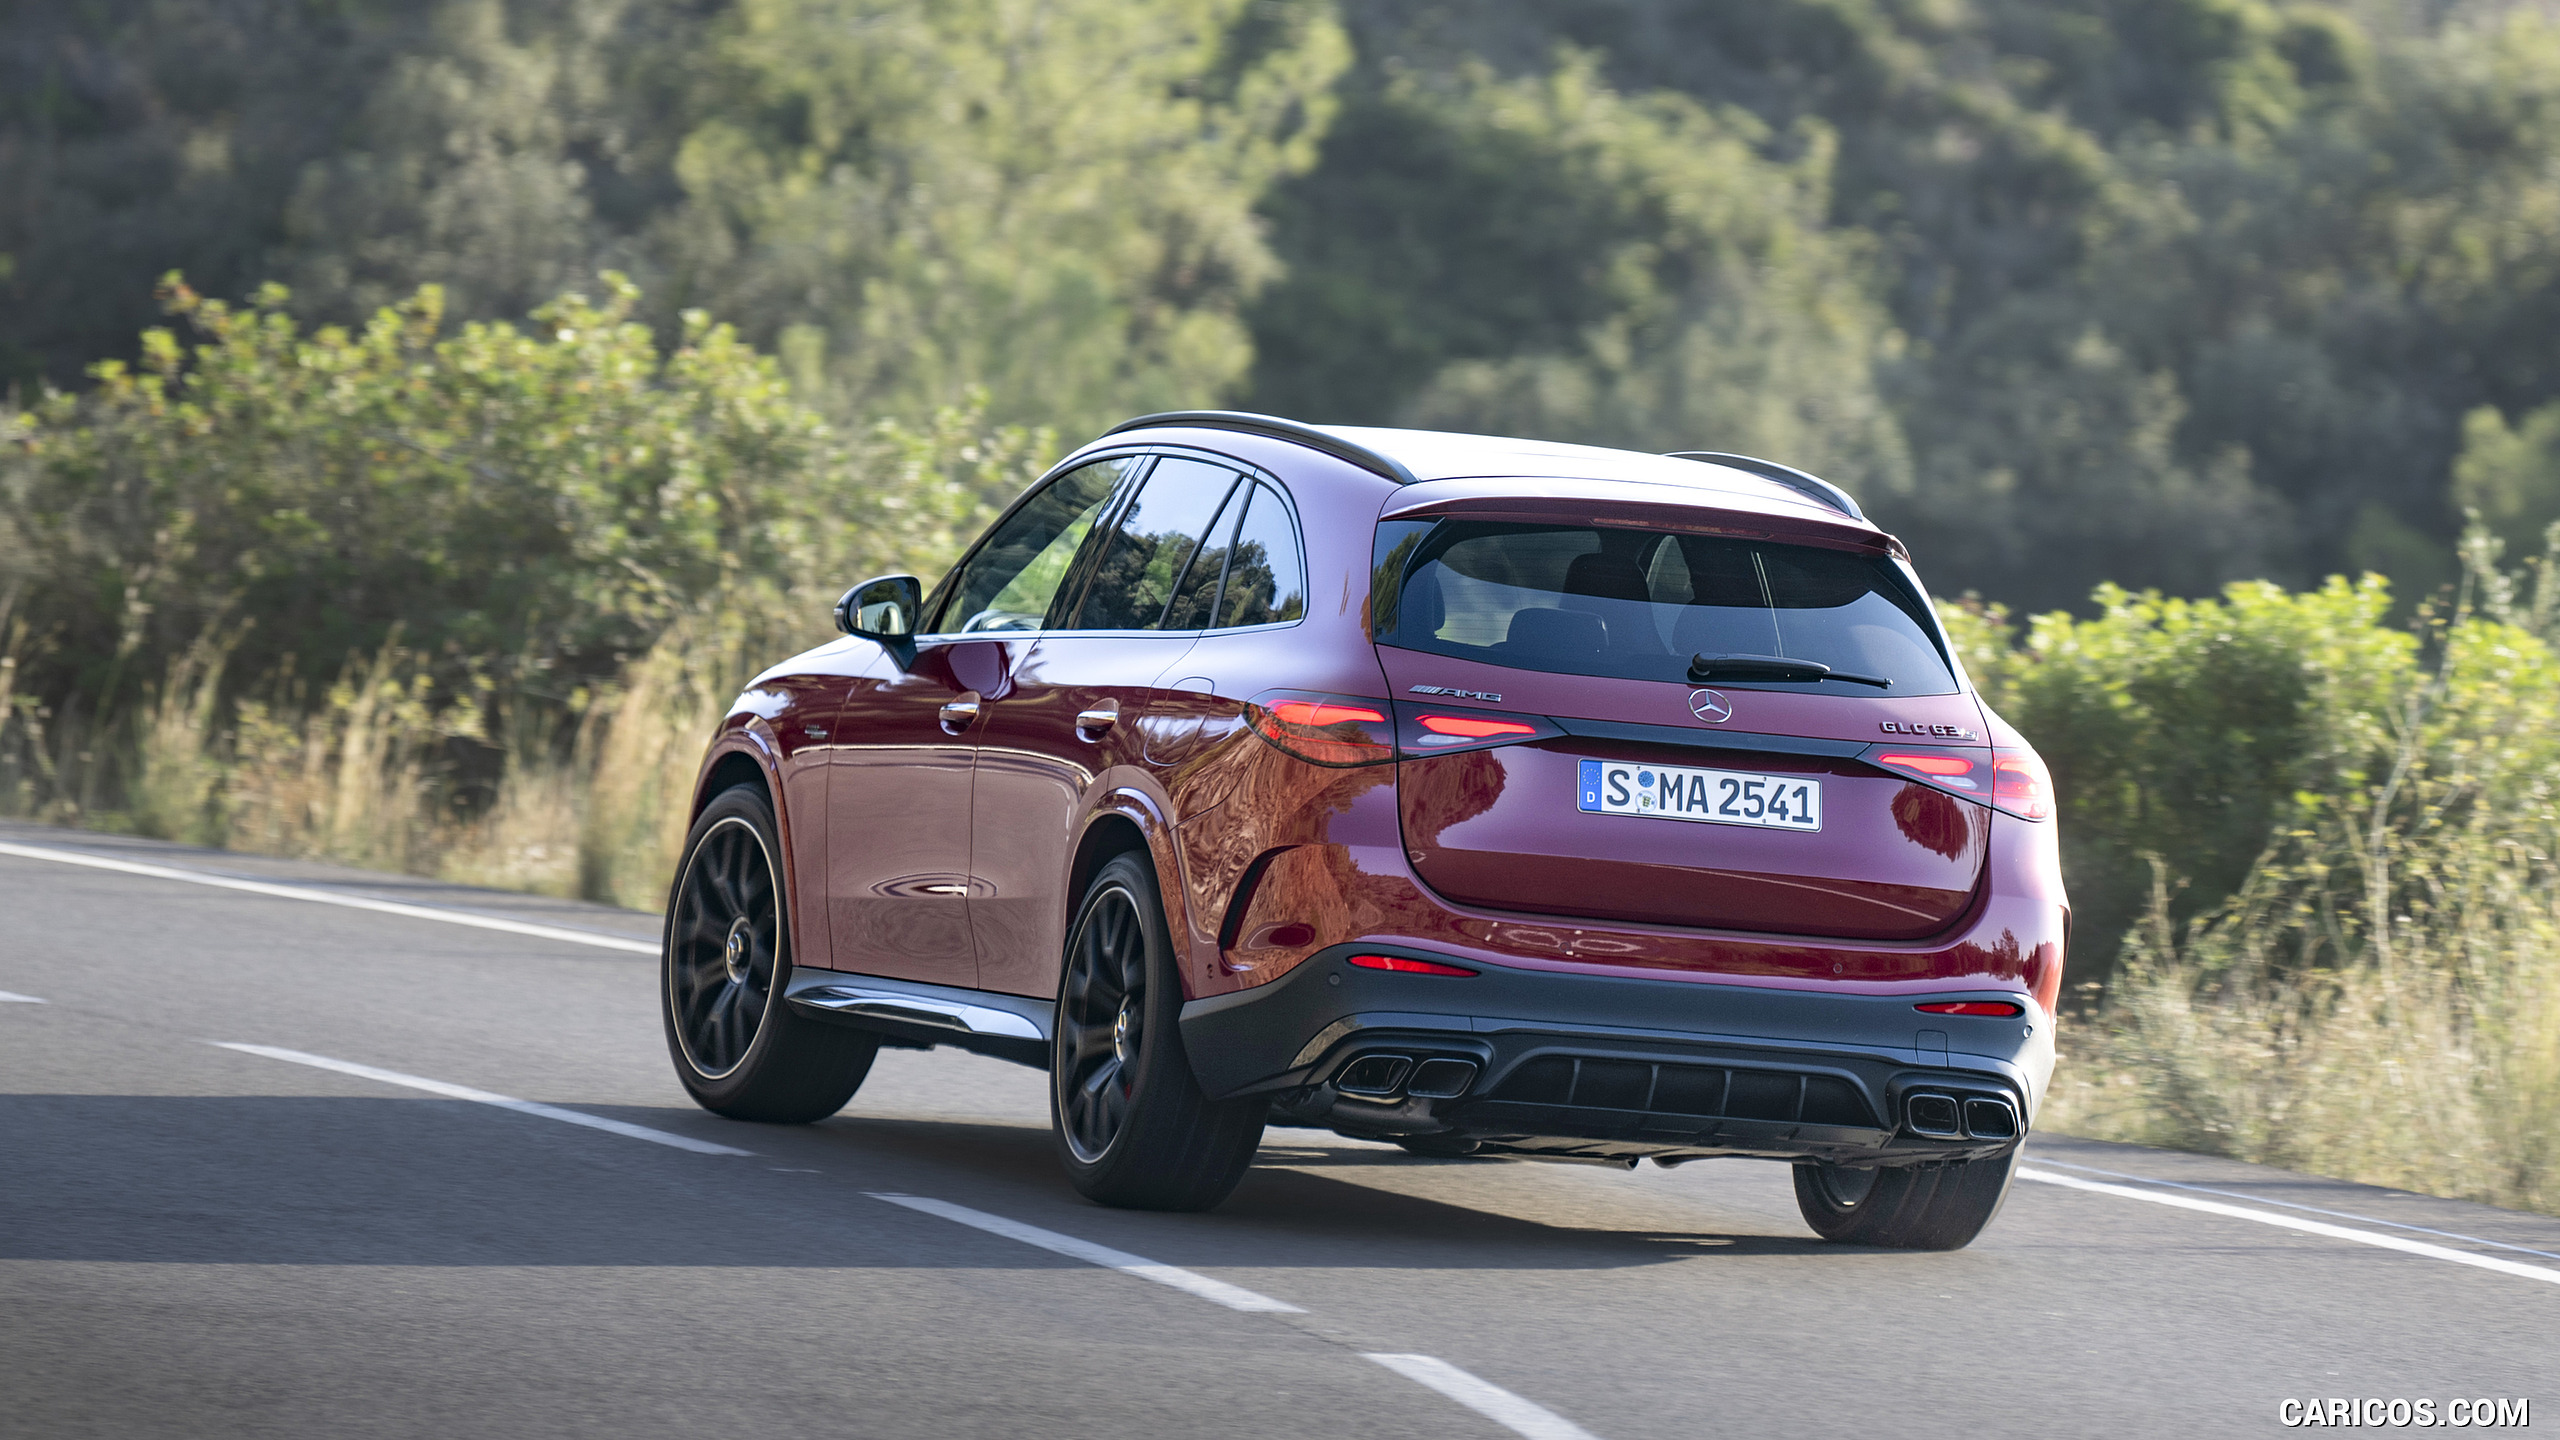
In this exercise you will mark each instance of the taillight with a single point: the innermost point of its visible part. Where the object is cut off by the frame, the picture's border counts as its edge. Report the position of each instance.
(1971, 1007)
(1339, 731)
(1433, 731)
(1316, 714)
(1470, 727)
(1953, 770)
(2021, 785)
(1403, 966)
(2014, 780)
(1965, 774)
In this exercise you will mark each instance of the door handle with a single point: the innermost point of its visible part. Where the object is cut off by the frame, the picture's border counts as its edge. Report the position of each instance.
(956, 714)
(1091, 723)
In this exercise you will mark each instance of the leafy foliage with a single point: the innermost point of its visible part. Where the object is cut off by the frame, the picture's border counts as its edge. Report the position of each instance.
(524, 511)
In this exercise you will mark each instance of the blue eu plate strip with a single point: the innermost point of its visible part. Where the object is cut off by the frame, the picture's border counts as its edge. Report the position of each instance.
(1590, 784)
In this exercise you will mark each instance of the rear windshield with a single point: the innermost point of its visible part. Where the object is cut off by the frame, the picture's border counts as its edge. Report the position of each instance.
(1649, 605)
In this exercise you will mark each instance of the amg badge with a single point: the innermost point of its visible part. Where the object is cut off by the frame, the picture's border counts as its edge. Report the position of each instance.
(1457, 694)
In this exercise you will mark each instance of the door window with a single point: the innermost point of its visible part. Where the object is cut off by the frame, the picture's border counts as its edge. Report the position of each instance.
(1011, 580)
(1151, 546)
(1265, 582)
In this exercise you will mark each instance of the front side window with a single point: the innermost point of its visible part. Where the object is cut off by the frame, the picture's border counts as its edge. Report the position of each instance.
(1149, 553)
(1011, 580)
(1650, 605)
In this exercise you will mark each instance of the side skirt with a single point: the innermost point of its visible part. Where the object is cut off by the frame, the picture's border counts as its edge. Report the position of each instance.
(912, 1013)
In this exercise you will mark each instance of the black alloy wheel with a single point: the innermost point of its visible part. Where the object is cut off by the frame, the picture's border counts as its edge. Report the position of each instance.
(1133, 1126)
(1938, 1206)
(738, 1049)
(1102, 1022)
(722, 941)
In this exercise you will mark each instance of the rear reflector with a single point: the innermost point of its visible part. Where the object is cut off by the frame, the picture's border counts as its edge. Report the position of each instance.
(1971, 1007)
(1403, 966)
(1474, 727)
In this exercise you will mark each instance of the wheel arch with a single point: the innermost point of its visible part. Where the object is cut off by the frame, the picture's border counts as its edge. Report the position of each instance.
(1124, 824)
(727, 767)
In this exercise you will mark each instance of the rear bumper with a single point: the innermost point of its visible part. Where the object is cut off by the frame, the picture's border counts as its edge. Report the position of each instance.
(1612, 1067)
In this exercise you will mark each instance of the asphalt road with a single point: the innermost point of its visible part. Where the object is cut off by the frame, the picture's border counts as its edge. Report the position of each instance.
(197, 1240)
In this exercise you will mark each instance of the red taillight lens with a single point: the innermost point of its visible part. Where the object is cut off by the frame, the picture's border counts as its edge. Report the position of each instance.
(2021, 785)
(1971, 1007)
(1403, 966)
(1936, 767)
(1339, 731)
(1321, 713)
(1472, 727)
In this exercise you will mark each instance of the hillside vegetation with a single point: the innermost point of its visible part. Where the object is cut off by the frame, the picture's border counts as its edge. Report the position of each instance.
(422, 417)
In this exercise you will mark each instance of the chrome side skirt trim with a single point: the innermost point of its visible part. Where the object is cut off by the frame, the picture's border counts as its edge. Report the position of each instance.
(1009, 1027)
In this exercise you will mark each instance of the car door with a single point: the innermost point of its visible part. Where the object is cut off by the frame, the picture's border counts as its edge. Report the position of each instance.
(899, 793)
(1071, 712)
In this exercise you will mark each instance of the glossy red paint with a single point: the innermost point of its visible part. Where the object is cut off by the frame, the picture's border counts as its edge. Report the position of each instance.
(1046, 755)
(949, 856)
(898, 873)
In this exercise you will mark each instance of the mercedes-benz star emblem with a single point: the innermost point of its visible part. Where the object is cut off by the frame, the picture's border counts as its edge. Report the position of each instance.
(1710, 706)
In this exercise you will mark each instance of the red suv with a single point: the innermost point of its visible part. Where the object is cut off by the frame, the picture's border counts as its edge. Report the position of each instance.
(1485, 796)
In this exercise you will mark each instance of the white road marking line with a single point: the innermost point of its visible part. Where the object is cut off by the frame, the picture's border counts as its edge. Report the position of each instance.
(11, 998)
(2308, 1227)
(324, 897)
(1487, 1399)
(2307, 1209)
(483, 1097)
(1234, 1297)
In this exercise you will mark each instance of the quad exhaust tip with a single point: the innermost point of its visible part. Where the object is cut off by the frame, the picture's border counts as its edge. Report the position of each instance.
(1933, 1115)
(1986, 1118)
(1380, 1077)
(1442, 1079)
(1373, 1075)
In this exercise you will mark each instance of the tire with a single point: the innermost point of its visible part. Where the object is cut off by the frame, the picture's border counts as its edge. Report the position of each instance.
(725, 962)
(1132, 1126)
(1919, 1207)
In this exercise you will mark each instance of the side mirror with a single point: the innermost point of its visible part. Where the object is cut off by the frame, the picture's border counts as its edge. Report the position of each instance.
(885, 610)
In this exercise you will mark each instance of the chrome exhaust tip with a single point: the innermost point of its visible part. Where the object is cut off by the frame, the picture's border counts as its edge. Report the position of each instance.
(1374, 1075)
(1933, 1116)
(1441, 1079)
(1987, 1118)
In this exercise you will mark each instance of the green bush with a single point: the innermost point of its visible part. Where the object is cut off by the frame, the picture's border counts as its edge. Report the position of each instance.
(2192, 730)
(519, 512)
(2311, 855)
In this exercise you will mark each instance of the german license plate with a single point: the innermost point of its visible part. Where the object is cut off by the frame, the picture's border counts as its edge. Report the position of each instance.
(1714, 797)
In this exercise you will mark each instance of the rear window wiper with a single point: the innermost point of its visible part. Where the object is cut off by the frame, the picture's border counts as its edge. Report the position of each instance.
(1773, 667)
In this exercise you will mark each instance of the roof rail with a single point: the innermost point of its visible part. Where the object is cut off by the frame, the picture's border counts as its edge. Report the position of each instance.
(1822, 491)
(1278, 429)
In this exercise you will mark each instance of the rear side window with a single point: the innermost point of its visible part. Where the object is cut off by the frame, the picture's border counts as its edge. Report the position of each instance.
(1265, 583)
(1649, 605)
(1149, 555)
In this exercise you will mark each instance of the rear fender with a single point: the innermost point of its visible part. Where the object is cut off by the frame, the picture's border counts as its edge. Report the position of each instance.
(1107, 830)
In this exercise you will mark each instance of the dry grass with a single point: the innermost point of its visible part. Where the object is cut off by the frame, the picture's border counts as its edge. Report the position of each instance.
(363, 773)
(2380, 1001)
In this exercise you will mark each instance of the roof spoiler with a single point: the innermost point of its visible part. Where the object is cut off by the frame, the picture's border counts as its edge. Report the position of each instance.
(1821, 491)
(1279, 429)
